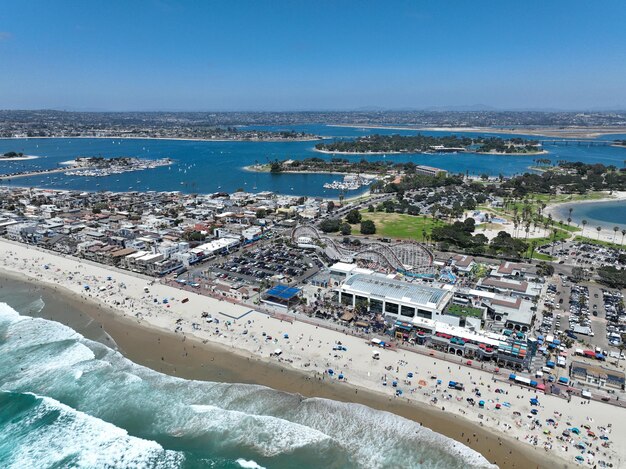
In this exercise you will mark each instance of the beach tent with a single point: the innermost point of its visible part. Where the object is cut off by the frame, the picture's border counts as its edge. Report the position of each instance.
(563, 380)
(278, 351)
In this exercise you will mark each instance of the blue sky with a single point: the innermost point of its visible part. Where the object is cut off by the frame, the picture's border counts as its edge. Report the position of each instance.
(318, 55)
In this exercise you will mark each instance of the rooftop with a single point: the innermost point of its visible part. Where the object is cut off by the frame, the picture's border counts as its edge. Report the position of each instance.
(395, 289)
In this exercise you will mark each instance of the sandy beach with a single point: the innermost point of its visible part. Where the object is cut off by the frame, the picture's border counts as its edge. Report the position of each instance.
(565, 132)
(307, 350)
(607, 233)
(355, 153)
(20, 158)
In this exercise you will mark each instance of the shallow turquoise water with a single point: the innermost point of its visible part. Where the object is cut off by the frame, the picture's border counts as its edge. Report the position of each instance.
(604, 214)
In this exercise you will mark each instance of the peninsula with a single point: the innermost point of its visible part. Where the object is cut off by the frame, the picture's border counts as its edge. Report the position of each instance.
(392, 144)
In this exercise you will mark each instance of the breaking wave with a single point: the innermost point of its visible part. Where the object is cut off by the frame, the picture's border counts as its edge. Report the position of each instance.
(69, 401)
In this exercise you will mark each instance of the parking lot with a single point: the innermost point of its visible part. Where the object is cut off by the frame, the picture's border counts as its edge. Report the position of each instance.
(264, 263)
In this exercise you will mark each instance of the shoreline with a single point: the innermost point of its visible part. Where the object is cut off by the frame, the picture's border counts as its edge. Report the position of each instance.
(531, 153)
(69, 273)
(567, 132)
(185, 139)
(617, 196)
(357, 153)
(20, 158)
(184, 356)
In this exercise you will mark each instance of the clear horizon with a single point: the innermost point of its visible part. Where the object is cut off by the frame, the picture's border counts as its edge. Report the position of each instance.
(323, 56)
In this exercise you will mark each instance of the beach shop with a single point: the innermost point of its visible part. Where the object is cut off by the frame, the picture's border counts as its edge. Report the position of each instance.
(596, 375)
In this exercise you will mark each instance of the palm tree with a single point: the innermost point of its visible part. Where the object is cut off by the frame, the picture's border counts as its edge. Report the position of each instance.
(623, 234)
(615, 230)
(554, 233)
(598, 228)
(584, 224)
(533, 245)
(570, 211)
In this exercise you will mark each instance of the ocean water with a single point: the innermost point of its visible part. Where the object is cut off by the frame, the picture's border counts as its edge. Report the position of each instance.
(67, 401)
(206, 167)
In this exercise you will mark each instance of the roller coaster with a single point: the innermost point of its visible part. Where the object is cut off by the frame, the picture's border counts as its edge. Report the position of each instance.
(408, 257)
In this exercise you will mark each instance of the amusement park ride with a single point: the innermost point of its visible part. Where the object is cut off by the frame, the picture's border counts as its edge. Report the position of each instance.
(409, 258)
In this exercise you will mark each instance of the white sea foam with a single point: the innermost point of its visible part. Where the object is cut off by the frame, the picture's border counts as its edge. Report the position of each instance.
(248, 464)
(227, 416)
(72, 436)
(267, 434)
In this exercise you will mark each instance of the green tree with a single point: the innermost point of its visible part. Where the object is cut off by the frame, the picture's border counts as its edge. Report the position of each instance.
(353, 217)
(330, 225)
(368, 227)
(345, 229)
(276, 167)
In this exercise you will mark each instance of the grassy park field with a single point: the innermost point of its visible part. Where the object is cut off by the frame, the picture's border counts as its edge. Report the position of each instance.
(399, 225)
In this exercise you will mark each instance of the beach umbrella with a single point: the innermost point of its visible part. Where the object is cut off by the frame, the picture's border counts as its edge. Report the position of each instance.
(409, 375)
(394, 383)
(330, 371)
(580, 458)
(285, 336)
(575, 430)
(481, 403)
(398, 392)
(421, 382)
(340, 376)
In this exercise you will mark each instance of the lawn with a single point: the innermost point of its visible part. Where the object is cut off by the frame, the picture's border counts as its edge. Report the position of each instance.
(584, 239)
(540, 256)
(399, 225)
(465, 311)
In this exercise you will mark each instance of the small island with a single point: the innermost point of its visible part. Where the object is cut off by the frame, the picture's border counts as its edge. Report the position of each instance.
(15, 156)
(97, 166)
(395, 144)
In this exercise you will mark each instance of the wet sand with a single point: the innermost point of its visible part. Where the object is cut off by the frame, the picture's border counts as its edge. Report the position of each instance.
(189, 358)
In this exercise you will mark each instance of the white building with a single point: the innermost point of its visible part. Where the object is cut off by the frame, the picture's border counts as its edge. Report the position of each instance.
(394, 298)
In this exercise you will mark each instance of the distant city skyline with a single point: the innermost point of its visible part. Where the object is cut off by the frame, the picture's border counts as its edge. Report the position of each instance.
(163, 55)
